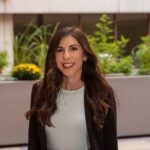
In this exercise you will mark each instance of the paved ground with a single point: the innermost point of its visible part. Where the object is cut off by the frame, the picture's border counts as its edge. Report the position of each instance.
(142, 143)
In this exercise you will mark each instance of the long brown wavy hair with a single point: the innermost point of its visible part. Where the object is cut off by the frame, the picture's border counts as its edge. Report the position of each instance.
(96, 87)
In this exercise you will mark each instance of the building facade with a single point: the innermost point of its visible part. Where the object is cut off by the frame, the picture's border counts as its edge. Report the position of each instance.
(131, 18)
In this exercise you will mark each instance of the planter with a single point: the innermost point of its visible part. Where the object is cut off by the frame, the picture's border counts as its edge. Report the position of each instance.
(115, 75)
(132, 109)
(14, 102)
(133, 105)
(6, 77)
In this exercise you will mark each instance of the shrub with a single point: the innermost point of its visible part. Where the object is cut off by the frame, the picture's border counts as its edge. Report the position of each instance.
(102, 40)
(109, 50)
(3, 59)
(26, 72)
(31, 45)
(141, 55)
(144, 69)
(123, 65)
(112, 65)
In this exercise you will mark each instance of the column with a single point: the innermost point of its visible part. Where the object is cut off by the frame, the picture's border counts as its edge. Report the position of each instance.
(115, 27)
(148, 24)
(6, 38)
(79, 21)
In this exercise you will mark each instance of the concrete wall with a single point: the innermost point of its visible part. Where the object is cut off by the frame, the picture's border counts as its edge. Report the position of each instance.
(10, 7)
(53, 6)
(6, 37)
(133, 108)
(134, 6)
(72, 6)
(14, 102)
(133, 105)
(2, 8)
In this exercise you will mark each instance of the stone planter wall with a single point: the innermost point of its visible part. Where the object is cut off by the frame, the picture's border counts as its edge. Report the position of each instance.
(133, 108)
(14, 102)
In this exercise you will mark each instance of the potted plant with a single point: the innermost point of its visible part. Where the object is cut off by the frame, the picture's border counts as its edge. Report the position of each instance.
(31, 45)
(113, 66)
(26, 71)
(141, 56)
(3, 60)
(109, 50)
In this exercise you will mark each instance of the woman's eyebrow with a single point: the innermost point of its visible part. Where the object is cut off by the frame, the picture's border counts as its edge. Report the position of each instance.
(74, 45)
(69, 45)
(59, 47)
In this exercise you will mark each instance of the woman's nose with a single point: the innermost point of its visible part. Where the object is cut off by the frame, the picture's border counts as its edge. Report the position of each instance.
(66, 54)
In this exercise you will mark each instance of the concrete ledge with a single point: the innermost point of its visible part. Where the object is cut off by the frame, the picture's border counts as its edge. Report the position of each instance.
(14, 102)
(133, 104)
(133, 107)
(71, 6)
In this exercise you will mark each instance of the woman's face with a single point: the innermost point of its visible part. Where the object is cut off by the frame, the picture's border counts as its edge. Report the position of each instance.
(70, 57)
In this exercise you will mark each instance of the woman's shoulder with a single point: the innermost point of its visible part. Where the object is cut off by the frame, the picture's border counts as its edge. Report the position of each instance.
(35, 91)
(37, 84)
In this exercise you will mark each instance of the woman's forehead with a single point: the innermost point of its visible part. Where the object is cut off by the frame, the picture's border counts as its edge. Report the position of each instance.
(68, 40)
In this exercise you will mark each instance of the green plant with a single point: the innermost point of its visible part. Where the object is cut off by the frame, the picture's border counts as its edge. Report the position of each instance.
(26, 72)
(31, 45)
(3, 59)
(123, 65)
(109, 50)
(113, 65)
(141, 55)
(102, 40)
(144, 69)
(43, 36)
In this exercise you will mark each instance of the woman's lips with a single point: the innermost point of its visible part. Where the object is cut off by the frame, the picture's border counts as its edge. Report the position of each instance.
(68, 65)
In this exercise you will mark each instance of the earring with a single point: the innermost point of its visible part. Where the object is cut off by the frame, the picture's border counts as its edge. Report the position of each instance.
(85, 58)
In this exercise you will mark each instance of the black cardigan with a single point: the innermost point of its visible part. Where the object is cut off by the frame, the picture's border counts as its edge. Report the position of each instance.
(102, 139)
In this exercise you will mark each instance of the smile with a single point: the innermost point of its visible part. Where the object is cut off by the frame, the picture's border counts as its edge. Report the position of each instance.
(68, 65)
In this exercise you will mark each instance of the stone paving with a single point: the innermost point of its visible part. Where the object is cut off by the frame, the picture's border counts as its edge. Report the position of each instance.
(142, 143)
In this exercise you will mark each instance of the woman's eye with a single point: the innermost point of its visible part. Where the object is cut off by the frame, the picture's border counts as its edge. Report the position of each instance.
(74, 48)
(59, 50)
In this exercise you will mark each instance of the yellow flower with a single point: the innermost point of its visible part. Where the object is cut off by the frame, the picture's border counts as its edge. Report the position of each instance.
(27, 71)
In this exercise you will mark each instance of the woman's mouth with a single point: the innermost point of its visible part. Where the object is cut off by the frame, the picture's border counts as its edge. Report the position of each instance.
(68, 65)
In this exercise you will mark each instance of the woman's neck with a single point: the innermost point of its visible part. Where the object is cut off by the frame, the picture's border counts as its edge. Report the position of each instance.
(72, 84)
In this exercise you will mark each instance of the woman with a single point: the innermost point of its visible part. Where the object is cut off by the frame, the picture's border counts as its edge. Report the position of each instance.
(72, 107)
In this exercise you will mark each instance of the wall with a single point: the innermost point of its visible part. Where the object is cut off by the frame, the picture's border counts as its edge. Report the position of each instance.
(133, 104)
(72, 6)
(14, 102)
(10, 7)
(6, 37)
(133, 108)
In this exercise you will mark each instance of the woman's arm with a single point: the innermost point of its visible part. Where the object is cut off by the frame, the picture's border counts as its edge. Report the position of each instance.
(110, 127)
(33, 138)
